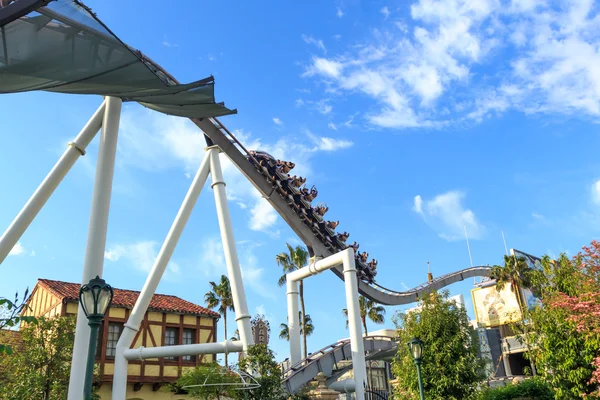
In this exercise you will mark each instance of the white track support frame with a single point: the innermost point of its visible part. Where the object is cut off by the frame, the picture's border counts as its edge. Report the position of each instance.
(96, 242)
(212, 165)
(346, 258)
(76, 149)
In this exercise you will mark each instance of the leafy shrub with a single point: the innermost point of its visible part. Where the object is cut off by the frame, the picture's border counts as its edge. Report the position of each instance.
(531, 388)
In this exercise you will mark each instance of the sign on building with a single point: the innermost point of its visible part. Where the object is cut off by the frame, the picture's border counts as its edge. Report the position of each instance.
(493, 308)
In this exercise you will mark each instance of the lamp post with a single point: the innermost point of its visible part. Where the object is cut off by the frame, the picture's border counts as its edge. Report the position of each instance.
(95, 298)
(415, 346)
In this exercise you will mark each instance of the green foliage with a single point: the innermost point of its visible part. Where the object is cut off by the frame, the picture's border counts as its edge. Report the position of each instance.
(535, 389)
(220, 297)
(284, 332)
(260, 362)
(565, 351)
(296, 258)
(450, 367)
(39, 369)
(10, 316)
(215, 380)
(368, 309)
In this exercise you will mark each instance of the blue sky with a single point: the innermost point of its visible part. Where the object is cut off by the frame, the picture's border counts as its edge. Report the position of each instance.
(413, 119)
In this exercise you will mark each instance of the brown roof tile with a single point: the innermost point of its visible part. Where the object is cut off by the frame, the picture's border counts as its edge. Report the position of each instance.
(126, 299)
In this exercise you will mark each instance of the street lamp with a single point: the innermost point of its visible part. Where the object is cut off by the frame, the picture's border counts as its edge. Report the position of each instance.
(415, 347)
(94, 297)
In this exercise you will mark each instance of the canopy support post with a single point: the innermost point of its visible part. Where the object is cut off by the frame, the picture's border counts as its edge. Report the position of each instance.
(76, 149)
(162, 260)
(96, 242)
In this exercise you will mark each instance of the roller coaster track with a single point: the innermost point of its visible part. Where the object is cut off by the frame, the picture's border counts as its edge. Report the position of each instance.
(326, 360)
(218, 134)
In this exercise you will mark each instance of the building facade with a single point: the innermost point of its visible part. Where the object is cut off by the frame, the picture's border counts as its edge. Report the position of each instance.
(169, 320)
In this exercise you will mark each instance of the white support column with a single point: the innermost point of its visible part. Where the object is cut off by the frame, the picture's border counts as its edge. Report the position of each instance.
(137, 315)
(293, 321)
(354, 323)
(234, 273)
(35, 203)
(96, 242)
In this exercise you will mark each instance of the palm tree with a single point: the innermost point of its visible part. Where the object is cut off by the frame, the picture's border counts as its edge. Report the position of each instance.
(295, 259)
(517, 272)
(285, 330)
(368, 309)
(220, 297)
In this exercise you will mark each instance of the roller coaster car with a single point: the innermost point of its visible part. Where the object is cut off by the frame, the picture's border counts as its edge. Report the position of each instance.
(372, 265)
(286, 166)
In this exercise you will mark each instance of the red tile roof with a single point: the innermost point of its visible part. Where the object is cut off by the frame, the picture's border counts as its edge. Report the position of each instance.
(126, 299)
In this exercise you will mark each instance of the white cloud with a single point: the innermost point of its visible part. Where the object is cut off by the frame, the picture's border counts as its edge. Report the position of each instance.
(299, 102)
(312, 40)
(329, 144)
(339, 13)
(538, 216)
(596, 192)
(528, 55)
(386, 12)
(446, 214)
(323, 106)
(140, 255)
(166, 43)
(277, 121)
(327, 68)
(263, 216)
(17, 250)
(331, 125)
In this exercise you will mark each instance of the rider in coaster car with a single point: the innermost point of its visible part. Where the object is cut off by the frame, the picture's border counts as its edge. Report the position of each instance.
(296, 181)
(355, 246)
(362, 256)
(285, 166)
(332, 224)
(321, 210)
(372, 265)
(342, 237)
(310, 195)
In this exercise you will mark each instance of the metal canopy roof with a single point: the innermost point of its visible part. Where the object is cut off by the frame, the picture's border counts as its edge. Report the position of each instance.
(63, 47)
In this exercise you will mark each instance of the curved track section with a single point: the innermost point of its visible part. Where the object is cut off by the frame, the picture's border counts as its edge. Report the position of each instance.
(326, 360)
(219, 135)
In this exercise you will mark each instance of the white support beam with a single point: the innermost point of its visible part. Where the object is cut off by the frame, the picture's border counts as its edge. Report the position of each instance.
(346, 258)
(96, 242)
(76, 149)
(293, 321)
(158, 269)
(234, 272)
(143, 353)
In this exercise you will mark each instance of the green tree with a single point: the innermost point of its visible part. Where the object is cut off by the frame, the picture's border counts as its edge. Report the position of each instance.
(296, 258)
(368, 310)
(219, 297)
(451, 369)
(207, 382)
(40, 367)
(518, 273)
(284, 333)
(566, 325)
(11, 316)
(260, 362)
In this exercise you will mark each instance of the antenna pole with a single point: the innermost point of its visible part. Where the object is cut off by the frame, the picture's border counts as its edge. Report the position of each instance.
(468, 246)
(504, 240)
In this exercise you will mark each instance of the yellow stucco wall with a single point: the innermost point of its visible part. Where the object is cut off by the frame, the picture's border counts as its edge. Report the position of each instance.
(206, 321)
(155, 316)
(189, 320)
(116, 312)
(173, 318)
(145, 393)
(72, 308)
